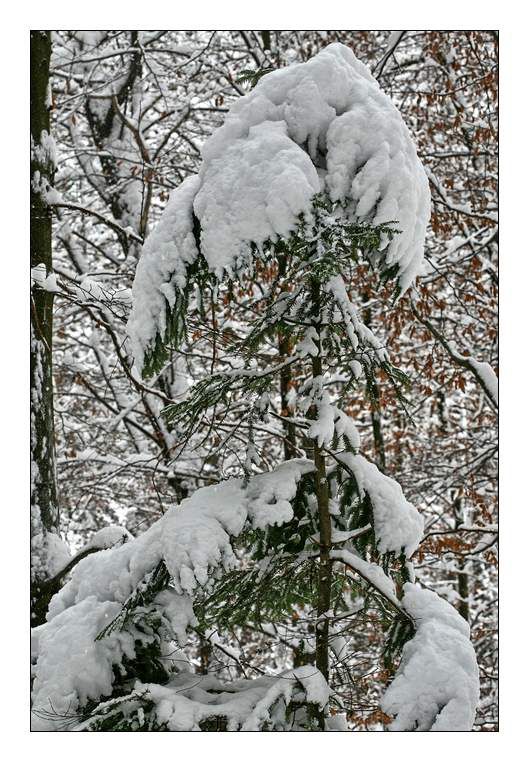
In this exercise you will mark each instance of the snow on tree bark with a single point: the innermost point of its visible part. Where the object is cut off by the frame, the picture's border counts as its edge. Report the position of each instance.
(47, 549)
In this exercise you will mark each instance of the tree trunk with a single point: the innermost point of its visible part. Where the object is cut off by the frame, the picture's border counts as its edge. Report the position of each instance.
(44, 510)
(265, 36)
(322, 496)
(462, 574)
(376, 414)
(285, 380)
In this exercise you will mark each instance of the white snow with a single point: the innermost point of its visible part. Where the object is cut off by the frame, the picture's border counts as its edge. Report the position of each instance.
(247, 705)
(162, 268)
(487, 375)
(108, 536)
(40, 184)
(330, 420)
(372, 573)
(398, 525)
(334, 107)
(356, 329)
(483, 370)
(322, 428)
(346, 429)
(270, 494)
(356, 368)
(42, 280)
(72, 666)
(437, 683)
(307, 345)
(58, 553)
(252, 192)
(314, 686)
(336, 723)
(44, 152)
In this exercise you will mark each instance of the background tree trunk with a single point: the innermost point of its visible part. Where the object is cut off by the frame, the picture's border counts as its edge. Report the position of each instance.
(44, 510)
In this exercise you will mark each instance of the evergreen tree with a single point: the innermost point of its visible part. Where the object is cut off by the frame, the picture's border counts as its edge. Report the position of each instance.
(308, 303)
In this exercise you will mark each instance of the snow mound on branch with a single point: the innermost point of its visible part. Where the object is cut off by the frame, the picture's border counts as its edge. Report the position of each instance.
(487, 375)
(58, 553)
(162, 269)
(108, 536)
(398, 524)
(270, 494)
(331, 420)
(335, 109)
(192, 538)
(437, 683)
(254, 192)
(372, 573)
(194, 541)
(72, 666)
(188, 700)
(320, 125)
(356, 330)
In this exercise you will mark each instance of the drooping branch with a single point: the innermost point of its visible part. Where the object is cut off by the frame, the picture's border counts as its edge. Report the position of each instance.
(123, 233)
(463, 362)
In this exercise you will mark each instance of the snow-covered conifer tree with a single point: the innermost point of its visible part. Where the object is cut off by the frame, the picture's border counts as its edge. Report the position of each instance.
(312, 173)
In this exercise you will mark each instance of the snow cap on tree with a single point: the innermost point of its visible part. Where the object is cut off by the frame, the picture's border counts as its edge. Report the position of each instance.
(324, 125)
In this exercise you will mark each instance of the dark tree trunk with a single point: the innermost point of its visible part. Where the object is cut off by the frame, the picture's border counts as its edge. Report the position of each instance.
(322, 497)
(462, 574)
(44, 510)
(285, 381)
(376, 414)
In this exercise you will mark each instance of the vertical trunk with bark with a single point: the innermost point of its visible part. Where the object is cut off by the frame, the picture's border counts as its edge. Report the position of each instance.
(376, 413)
(107, 130)
(285, 380)
(44, 510)
(462, 574)
(322, 497)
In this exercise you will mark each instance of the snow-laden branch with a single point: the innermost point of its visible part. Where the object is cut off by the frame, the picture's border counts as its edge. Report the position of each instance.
(323, 125)
(395, 38)
(437, 684)
(121, 231)
(483, 373)
(192, 540)
(373, 575)
(189, 700)
(398, 525)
